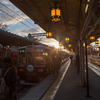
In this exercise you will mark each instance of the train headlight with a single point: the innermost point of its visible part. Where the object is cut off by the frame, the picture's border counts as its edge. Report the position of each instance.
(30, 68)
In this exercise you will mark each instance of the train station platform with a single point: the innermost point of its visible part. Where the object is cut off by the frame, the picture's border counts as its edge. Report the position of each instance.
(71, 87)
(65, 86)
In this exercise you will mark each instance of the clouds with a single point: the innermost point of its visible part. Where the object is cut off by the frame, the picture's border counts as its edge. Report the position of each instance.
(17, 21)
(7, 15)
(33, 30)
(11, 16)
(6, 2)
(25, 32)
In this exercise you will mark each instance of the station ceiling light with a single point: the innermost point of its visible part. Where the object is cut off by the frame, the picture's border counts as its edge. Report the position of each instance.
(72, 50)
(89, 46)
(67, 49)
(69, 45)
(67, 39)
(60, 44)
(55, 13)
(92, 38)
(49, 35)
(96, 42)
(64, 47)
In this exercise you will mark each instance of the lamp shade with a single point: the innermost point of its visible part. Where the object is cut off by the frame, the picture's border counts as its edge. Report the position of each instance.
(69, 45)
(55, 14)
(49, 35)
(60, 44)
(96, 42)
(72, 50)
(66, 39)
(89, 46)
(64, 47)
(92, 38)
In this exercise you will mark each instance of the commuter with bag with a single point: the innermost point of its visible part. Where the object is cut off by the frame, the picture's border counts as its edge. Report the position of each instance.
(8, 80)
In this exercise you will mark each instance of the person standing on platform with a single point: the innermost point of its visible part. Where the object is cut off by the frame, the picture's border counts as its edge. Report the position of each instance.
(77, 62)
(57, 62)
(10, 78)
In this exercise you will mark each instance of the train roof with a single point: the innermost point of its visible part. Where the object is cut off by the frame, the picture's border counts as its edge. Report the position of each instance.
(44, 46)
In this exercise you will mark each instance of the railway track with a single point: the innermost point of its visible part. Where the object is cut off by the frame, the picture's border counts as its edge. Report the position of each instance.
(95, 68)
(22, 89)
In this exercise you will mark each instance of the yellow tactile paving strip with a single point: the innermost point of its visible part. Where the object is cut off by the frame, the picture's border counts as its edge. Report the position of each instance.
(53, 89)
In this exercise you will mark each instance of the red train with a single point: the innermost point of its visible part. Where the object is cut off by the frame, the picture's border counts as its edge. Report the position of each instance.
(35, 61)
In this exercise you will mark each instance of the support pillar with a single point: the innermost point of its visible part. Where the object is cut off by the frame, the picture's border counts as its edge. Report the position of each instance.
(87, 76)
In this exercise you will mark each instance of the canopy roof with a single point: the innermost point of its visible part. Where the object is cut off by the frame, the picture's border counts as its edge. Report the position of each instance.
(75, 22)
(7, 38)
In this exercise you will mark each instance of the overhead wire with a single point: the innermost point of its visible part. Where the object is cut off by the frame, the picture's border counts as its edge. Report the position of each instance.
(16, 14)
(14, 18)
(17, 19)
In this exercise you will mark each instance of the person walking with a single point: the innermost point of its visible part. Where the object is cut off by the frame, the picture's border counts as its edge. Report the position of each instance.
(10, 78)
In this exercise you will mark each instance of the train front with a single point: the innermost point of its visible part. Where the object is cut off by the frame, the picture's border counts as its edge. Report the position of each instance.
(26, 64)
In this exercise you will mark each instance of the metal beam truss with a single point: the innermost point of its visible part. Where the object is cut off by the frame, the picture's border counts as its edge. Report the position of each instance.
(92, 8)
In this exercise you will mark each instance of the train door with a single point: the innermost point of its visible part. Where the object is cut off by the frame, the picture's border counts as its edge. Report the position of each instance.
(31, 72)
(21, 63)
(29, 62)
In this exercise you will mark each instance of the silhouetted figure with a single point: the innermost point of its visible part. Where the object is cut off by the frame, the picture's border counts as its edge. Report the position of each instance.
(57, 63)
(10, 78)
(77, 62)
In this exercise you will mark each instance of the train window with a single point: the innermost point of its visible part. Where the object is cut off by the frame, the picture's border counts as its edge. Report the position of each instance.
(20, 50)
(40, 59)
(23, 50)
(42, 50)
(39, 50)
(29, 58)
(21, 57)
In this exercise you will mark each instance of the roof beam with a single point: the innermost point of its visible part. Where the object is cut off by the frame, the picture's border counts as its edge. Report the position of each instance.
(34, 7)
(93, 28)
(64, 12)
(93, 7)
(26, 11)
(71, 29)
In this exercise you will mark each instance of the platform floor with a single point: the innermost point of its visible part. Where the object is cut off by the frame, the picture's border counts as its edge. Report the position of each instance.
(71, 87)
(68, 86)
(38, 91)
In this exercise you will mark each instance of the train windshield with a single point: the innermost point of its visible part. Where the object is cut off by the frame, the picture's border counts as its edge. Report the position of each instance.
(30, 58)
(21, 57)
(40, 59)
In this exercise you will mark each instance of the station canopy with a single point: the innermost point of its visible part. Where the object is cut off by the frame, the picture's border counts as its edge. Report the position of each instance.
(7, 38)
(79, 18)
